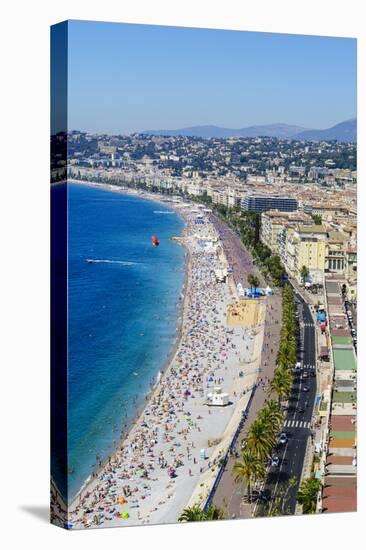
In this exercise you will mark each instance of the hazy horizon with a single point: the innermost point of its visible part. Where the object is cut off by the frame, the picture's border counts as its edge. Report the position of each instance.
(127, 78)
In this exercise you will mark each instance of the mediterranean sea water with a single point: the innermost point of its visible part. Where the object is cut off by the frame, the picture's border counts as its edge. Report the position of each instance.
(124, 297)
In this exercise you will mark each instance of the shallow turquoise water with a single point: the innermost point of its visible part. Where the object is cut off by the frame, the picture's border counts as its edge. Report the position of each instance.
(123, 313)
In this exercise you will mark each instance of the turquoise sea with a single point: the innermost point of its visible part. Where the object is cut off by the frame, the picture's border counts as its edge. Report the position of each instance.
(124, 299)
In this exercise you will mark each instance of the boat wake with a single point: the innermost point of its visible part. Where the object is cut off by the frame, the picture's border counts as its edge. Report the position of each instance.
(163, 212)
(120, 262)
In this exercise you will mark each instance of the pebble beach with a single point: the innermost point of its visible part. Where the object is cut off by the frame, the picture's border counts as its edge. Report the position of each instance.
(170, 456)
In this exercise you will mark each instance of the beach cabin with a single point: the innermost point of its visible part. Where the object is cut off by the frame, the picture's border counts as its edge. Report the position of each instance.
(217, 397)
(220, 275)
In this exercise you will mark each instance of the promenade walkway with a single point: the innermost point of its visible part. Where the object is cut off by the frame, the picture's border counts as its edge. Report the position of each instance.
(229, 494)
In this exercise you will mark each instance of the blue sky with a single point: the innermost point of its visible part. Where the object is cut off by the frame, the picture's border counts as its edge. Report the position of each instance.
(125, 78)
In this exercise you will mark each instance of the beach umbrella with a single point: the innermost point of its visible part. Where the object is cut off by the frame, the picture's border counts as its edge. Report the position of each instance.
(122, 500)
(125, 515)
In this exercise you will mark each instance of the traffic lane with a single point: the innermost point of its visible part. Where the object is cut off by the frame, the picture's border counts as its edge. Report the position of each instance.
(278, 478)
(301, 401)
(294, 465)
(291, 456)
(299, 406)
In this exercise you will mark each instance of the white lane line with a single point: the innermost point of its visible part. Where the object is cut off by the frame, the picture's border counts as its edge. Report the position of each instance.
(275, 489)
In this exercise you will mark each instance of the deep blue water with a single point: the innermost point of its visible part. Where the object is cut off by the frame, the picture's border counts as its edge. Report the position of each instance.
(123, 314)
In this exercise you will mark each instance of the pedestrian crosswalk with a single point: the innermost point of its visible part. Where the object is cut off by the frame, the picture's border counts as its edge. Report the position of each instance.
(309, 366)
(296, 424)
(308, 324)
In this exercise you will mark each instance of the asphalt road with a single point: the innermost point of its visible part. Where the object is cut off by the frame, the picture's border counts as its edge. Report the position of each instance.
(282, 481)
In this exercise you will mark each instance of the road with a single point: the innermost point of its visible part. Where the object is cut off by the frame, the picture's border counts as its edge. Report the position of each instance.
(229, 495)
(282, 482)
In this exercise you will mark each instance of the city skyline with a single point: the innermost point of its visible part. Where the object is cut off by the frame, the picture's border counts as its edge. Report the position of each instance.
(125, 78)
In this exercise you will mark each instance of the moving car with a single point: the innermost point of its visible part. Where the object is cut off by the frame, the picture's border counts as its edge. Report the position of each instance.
(275, 461)
(297, 367)
(282, 438)
(305, 388)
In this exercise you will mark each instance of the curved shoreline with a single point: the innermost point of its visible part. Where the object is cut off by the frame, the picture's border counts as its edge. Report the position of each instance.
(88, 482)
(196, 487)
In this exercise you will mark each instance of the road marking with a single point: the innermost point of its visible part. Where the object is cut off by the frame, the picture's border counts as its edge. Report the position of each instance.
(296, 424)
(278, 477)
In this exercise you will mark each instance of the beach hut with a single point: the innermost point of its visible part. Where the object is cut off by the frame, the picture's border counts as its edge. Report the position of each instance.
(217, 397)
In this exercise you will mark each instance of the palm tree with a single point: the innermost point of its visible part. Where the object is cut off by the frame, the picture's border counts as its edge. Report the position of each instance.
(213, 513)
(259, 439)
(195, 513)
(249, 469)
(272, 415)
(281, 383)
(308, 494)
(286, 356)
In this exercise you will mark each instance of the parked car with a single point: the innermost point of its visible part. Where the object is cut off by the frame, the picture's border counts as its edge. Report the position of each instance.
(305, 388)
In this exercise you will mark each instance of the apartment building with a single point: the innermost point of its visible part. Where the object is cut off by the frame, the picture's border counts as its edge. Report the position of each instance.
(304, 245)
(273, 222)
(263, 203)
(335, 258)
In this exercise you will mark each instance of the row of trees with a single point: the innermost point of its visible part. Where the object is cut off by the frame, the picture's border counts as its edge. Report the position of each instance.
(283, 376)
(257, 445)
(248, 224)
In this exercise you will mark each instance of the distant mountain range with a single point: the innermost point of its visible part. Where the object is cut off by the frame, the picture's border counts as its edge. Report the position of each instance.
(344, 131)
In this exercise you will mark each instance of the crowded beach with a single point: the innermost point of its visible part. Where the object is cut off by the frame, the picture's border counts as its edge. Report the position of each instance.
(172, 452)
